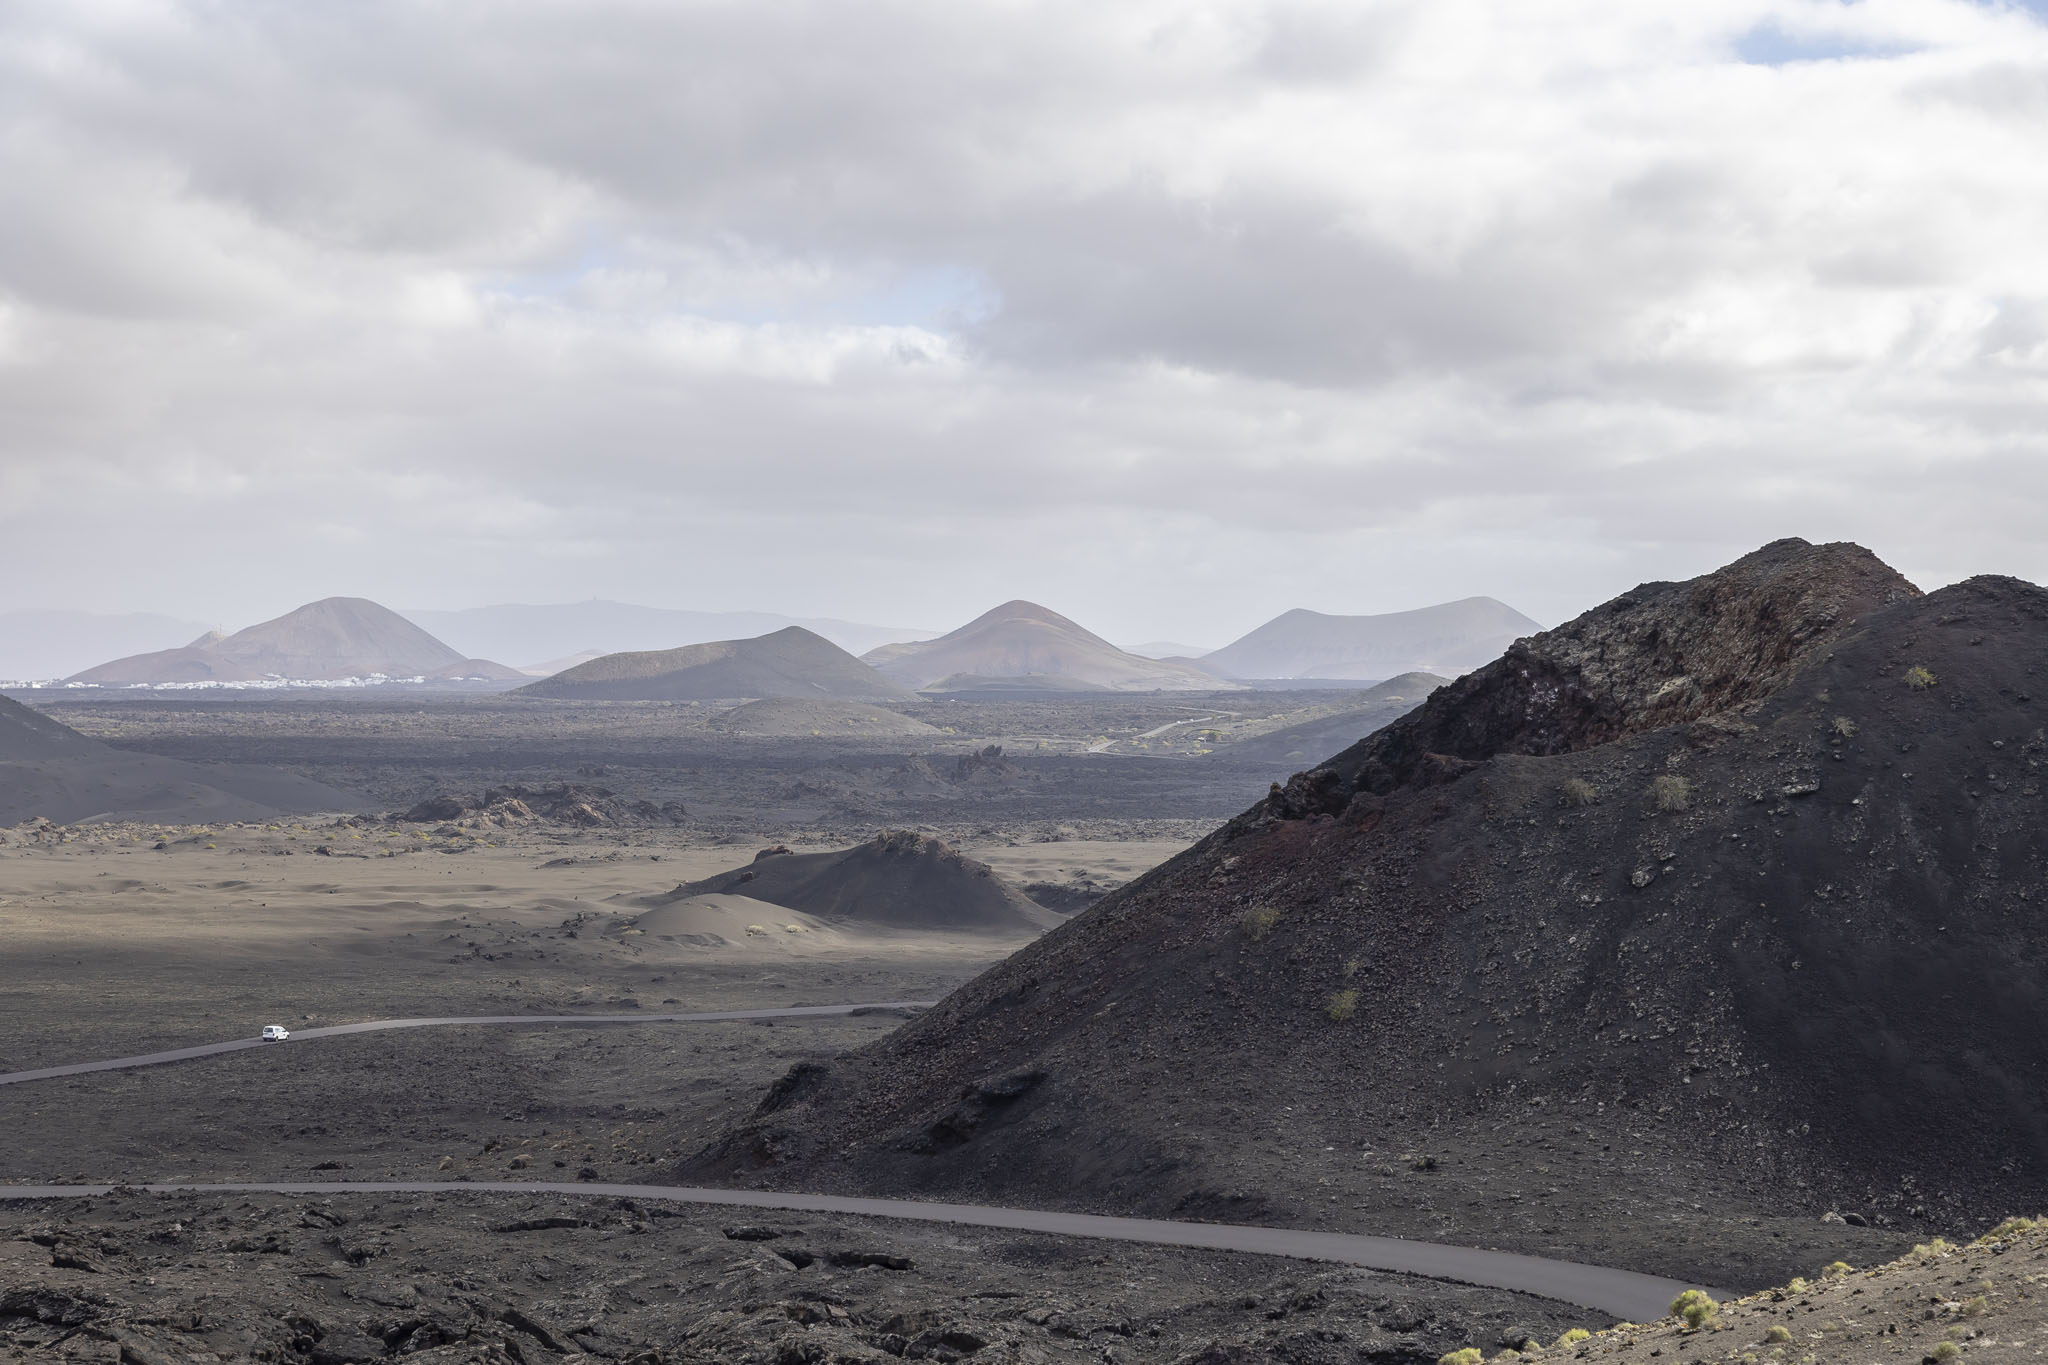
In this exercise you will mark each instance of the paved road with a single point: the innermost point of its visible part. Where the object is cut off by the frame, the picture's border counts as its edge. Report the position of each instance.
(378, 1025)
(1626, 1294)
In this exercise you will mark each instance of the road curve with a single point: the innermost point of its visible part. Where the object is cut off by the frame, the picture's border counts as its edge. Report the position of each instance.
(1628, 1295)
(378, 1025)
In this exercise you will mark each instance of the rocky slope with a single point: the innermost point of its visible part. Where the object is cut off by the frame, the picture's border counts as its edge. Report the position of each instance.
(1717, 901)
(1023, 647)
(791, 662)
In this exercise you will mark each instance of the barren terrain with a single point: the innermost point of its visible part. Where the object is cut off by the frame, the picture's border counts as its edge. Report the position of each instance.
(513, 871)
(119, 947)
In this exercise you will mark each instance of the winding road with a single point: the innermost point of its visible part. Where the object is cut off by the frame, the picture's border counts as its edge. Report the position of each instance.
(1627, 1294)
(182, 1054)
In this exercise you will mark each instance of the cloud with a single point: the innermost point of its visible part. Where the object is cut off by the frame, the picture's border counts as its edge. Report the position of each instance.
(886, 310)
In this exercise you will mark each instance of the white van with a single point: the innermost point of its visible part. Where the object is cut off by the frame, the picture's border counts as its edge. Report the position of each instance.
(275, 1033)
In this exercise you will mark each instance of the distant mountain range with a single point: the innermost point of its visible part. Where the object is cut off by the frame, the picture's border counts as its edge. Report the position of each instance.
(333, 639)
(1449, 639)
(1021, 647)
(791, 662)
(1167, 649)
(1017, 649)
(527, 635)
(39, 643)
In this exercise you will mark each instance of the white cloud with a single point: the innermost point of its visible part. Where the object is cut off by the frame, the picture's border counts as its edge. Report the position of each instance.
(1177, 315)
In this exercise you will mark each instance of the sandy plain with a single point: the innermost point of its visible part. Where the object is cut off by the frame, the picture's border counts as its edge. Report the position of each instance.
(118, 947)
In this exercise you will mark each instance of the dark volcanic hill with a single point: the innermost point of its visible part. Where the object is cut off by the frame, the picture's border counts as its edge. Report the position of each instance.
(334, 638)
(789, 663)
(1021, 647)
(1448, 639)
(48, 769)
(29, 734)
(898, 879)
(1721, 902)
(1308, 740)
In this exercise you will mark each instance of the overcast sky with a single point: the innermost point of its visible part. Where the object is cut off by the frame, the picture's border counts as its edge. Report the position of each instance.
(1169, 315)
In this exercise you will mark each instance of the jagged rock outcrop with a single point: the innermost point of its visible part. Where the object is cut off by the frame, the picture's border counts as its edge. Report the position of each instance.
(1660, 655)
(566, 803)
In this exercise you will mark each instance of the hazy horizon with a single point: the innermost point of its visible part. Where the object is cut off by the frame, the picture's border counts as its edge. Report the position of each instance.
(69, 641)
(1169, 318)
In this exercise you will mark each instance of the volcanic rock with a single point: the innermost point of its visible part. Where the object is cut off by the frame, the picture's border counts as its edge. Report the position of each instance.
(1438, 937)
(566, 803)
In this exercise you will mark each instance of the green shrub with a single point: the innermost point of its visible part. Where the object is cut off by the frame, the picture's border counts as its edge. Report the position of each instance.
(1919, 678)
(1844, 727)
(1944, 1351)
(1259, 921)
(1836, 1269)
(1671, 792)
(1778, 1334)
(1572, 1337)
(1938, 1247)
(2010, 1227)
(1470, 1355)
(1696, 1307)
(1343, 1004)
(1798, 1285)
(1577, 791)
(1977, 1307)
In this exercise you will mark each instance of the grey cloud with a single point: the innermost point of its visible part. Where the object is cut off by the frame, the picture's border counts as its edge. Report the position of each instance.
(1244, 306)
